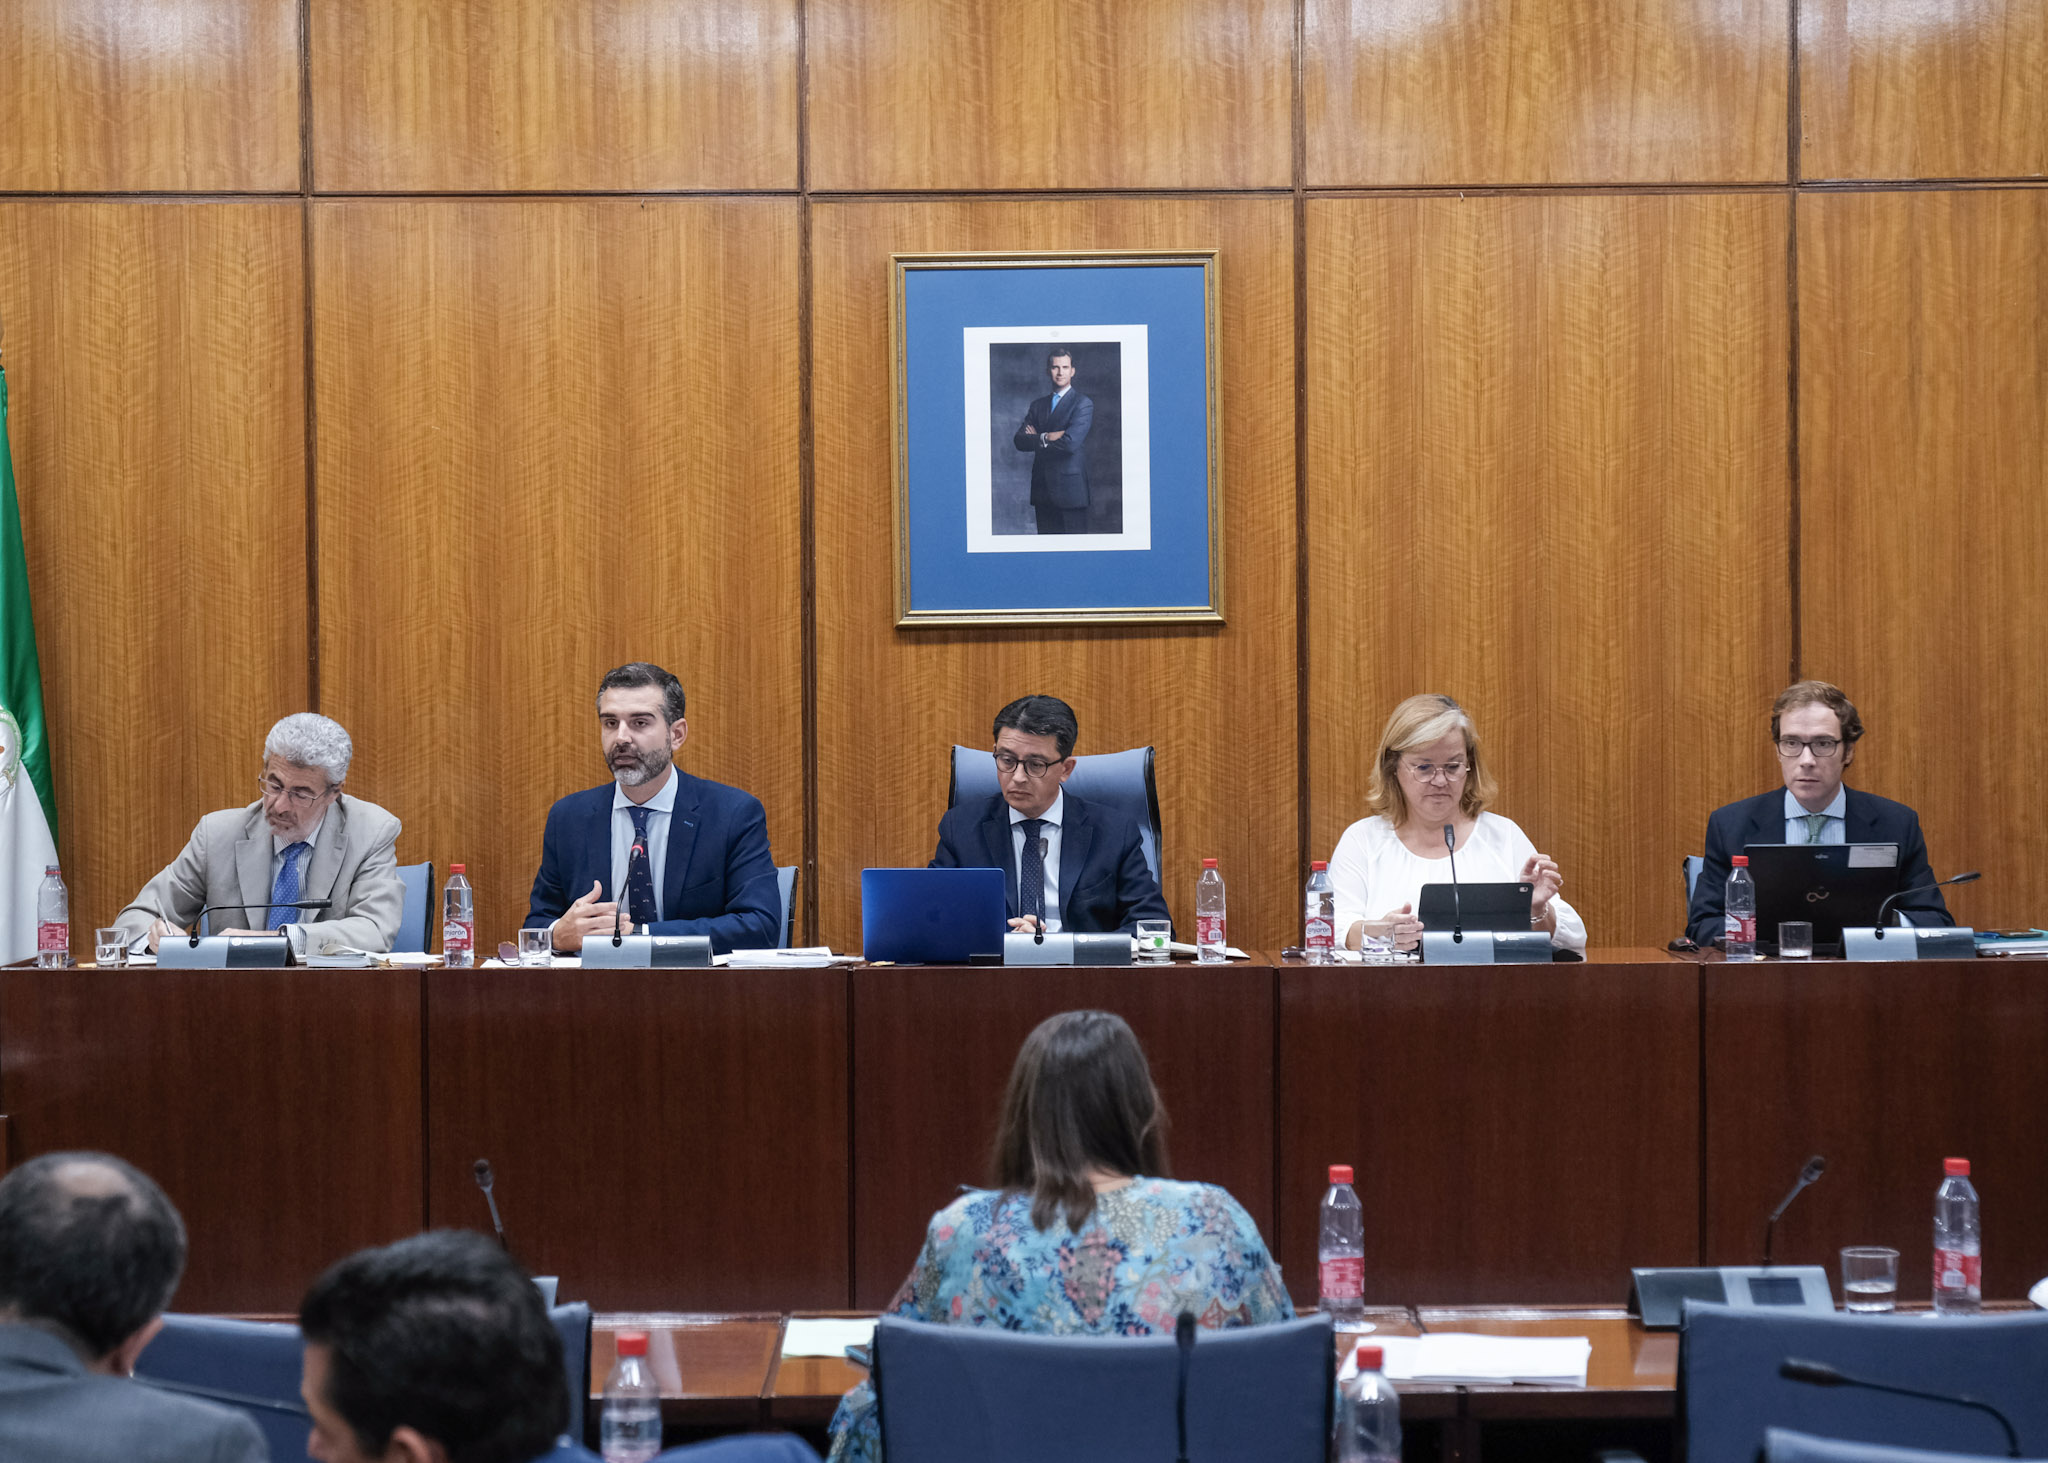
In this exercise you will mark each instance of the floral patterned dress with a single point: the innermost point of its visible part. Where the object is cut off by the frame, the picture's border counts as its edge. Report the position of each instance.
(1151, 1250)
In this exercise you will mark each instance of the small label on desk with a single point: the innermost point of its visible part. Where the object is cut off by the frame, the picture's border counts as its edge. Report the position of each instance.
(1873, 855)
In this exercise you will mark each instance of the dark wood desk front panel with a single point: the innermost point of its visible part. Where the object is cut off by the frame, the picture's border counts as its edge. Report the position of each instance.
(1521, 1134)
(1885, 1070)
(933, 1048)
(662, 1139)
(280, 1110)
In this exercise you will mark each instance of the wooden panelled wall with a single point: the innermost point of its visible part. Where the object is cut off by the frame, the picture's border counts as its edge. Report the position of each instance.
(1600, 365)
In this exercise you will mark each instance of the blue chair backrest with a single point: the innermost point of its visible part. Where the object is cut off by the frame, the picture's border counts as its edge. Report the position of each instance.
(416, 921)
(1729, 1389)
(962, 1393)
(785, 880)
(1783, 1446)
(1693, 864)
(572, 1324)
(1120, 780)
(251, 1366)
(759, 1448)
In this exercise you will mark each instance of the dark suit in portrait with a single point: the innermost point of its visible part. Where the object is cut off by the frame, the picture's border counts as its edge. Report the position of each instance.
(1059, 474)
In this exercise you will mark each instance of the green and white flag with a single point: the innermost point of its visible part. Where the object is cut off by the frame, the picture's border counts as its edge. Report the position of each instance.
(28, 807)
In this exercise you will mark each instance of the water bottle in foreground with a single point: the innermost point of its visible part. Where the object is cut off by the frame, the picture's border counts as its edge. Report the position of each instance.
(1958, 1243)
(629, 1430)
(1368, 1413)
(458, 920)
(53, 920)
(1319, 918)
(1212, 928)
(1340, 1251)
(1741, 911)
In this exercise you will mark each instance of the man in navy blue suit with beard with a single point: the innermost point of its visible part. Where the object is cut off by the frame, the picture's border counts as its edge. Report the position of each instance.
(1053, 432)
(688, 855)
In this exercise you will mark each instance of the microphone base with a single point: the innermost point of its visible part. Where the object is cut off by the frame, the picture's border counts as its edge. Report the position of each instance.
(224, 952)
(1111, 948)
(1910, 942)
(1657, 1297)
(639, 952)
(1486, 947)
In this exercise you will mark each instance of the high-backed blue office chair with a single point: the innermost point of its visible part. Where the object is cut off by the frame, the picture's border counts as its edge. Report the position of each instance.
(1120, 780)
(1783, 1446)
(1729, 1390)
(785, 880)
(975, 1394)
(250, 1366)
(415, 923)
(572, 1324)
(754, 1448)
(1693, 864)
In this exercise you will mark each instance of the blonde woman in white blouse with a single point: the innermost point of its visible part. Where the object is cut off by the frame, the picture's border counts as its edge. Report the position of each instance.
(1429, 774)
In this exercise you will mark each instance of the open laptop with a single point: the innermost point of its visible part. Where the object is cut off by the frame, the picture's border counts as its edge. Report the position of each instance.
(932, 916)
(1831, 885)
(1487, 907)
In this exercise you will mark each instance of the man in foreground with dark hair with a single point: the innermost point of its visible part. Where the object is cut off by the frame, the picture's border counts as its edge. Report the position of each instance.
(437, 1349)
(1078, 866)
(706, 869)
(90, 1252)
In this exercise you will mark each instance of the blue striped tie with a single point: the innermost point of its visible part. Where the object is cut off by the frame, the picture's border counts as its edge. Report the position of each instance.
(286, 889)
(641, 906)
(1031, 877)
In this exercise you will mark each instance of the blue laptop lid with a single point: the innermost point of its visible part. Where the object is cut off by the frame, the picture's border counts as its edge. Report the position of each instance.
(932, 916)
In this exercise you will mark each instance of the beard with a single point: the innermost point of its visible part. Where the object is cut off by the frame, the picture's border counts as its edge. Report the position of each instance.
(644, 767)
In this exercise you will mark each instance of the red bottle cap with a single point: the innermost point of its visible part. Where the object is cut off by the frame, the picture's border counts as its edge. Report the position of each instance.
(1741, 861)
(1319, 864)
(1340, 1173)
(455, 868)
(1370, 1358)
(1956, 1168)
(1208, 863)
(632, 1343)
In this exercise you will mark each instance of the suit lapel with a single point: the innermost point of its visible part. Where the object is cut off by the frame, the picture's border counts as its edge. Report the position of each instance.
(1857, 824)
(317, 877)
(597, 838)
(252, 872)
(1767, 823)
(995, 833)
(1077, 836)
(682, 839)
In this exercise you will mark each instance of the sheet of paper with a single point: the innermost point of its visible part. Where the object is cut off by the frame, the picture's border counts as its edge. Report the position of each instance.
(783, 959)
(1182, 947)
(1457, 1356)
(803, 1337)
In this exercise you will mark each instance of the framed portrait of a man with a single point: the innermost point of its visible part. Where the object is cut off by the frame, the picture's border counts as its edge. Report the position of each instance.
(1055, 448)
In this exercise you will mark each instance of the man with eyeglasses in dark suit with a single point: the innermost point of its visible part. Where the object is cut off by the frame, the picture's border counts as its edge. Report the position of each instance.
(1075, 865)
(1815, 729)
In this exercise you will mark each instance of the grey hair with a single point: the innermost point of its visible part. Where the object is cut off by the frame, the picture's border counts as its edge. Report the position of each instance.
(307, 739)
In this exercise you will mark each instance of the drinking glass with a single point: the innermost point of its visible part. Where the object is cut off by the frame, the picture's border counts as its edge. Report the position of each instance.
(1870, 1278)
(1795, 942)
(110, 948)
(1153, 936)
(534, 948)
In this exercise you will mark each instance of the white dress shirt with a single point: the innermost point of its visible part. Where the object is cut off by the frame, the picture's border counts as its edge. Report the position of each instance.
(1051, 834)
(1832, 831)
(1373, 872)
(659, 807)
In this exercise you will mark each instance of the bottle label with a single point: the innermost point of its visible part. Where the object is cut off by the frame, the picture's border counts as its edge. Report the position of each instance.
(456, 935)
(53, 935)
(1343, 1278)
(1955, 1270)
(1209, 929)
(1742, 929)
(1319, 934)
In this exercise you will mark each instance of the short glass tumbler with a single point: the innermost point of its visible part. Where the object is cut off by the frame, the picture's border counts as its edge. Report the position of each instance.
(1795, 940)
(535, 947)
(1870, 1279)
(1153, 938)
(110, 948)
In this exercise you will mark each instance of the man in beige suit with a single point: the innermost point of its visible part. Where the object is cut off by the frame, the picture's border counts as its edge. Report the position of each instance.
(301, 840)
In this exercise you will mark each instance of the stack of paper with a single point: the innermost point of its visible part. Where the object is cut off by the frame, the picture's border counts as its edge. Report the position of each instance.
(783, 959)
(1461, 1358)
(829, 1337)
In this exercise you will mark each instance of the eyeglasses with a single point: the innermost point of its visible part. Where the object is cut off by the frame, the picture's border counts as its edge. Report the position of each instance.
(1431, 772)
(298, 797)
(1007, 763)
(1821, 747)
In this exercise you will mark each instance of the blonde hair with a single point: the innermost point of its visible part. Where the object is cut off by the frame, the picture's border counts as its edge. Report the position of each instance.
(1418, 722)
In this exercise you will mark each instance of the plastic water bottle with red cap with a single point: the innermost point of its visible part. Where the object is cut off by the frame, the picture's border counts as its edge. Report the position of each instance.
(1340, 1251)
(1319, 920)
(1740, 910)
(458, 921)
(53, 920)
(629, 1431)
(1958, 1243)
(1212, 927)
(1368, 1413)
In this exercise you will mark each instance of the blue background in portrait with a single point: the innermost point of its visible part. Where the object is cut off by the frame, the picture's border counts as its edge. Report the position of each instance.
(1168, 299)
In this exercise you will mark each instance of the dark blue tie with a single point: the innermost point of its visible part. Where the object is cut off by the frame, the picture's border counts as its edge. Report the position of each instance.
(286, 889)
(1031, 877)
(640, 904)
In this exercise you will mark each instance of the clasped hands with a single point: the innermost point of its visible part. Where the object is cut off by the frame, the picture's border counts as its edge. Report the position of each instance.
(1401, 925)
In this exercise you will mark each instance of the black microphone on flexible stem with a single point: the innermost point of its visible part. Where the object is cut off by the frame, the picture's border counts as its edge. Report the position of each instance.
(1184, 1339)
(1457, 904)
(482, 1169)
(1820, 1374)
(1973, 875)
(1815, 1167)
(282, 904)
(638, 850)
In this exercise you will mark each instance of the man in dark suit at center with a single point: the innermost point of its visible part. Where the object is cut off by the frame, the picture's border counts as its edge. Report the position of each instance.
(1054, 429)
(1814, 728)
(689, 855)
(1077, 866)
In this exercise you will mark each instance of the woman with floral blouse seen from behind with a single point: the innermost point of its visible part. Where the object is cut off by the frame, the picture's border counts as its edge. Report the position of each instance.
(1083, 1233)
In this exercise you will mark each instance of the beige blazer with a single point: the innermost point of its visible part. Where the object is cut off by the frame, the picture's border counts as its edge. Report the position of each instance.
(227, 862)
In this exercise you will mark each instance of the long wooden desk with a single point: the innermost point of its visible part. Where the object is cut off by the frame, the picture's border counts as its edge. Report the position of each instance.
(746, 1142)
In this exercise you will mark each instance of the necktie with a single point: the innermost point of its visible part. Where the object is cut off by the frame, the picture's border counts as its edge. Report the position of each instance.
(1815, 822)
(286, 889)
(640, 902)
(1031, 877)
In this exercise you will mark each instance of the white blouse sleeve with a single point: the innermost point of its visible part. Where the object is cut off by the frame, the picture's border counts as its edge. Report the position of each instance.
(1351, 866)
(1570, 933)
